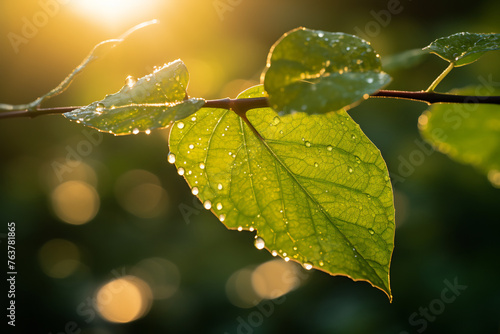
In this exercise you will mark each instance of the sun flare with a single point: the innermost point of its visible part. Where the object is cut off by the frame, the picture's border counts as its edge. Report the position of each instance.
(111, 11)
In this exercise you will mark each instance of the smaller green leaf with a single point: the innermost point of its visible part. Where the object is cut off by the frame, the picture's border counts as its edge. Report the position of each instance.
(154, 101)
(468, 133)
(464, 48)
(317, 71)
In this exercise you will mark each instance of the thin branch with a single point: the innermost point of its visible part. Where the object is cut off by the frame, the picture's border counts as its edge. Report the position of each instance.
(241, 106)
(35, 113)
(432, 97)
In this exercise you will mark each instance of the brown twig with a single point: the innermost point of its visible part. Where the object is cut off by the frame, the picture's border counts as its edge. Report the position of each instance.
(241, 106)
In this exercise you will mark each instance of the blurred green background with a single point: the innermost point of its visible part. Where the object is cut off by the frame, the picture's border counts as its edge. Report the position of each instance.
(99, 216)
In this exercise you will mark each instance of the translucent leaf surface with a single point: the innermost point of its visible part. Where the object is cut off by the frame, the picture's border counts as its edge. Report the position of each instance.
(468, 133)
(317, 72)
(464, 48)
(153, 101)
(314, 188)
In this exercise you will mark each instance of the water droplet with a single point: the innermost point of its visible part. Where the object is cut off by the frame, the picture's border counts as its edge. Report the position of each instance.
(329, 148)
(307, 265)
(180, 125)
(369, 80)
(222, 217)
(372, 232)
(251, 229)
(321, 263)
(207, 204)
(353, 137)
(194, 191)
(321, 34)
(308, 144)
(240, 228)
(219, 206)
(191, 146)
(130, 81)
(148, 131)
(316, 164)
(171, 158)
(274, 253)
(276, 120)
(259, 243)
(193, 119)
(202, 165)
(287, 259)
(135, 131)
(219, 186)
(180, 171)
(350, 170)
(99, 108)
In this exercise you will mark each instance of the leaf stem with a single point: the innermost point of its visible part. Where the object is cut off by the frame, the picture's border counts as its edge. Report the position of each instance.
(440, 77)
(241, 106)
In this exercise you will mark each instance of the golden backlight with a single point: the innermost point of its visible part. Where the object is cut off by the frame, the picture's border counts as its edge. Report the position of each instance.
(111, 11)
(124, 299)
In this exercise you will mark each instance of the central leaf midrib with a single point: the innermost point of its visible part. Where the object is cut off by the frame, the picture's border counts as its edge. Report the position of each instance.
(323, 211)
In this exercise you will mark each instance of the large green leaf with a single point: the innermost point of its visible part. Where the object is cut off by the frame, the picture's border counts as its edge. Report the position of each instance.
(468, 133)
(154, 101)
(464, 48)
(317, 72)
(315, 188)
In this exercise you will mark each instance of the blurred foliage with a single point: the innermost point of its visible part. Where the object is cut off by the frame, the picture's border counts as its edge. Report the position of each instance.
(446, 213)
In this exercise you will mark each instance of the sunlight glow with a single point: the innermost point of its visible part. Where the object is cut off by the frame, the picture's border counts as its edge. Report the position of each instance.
(124, 299)
(110, 11)
(75, 202)
(140, 193)
(276, 278)
(239, 289)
